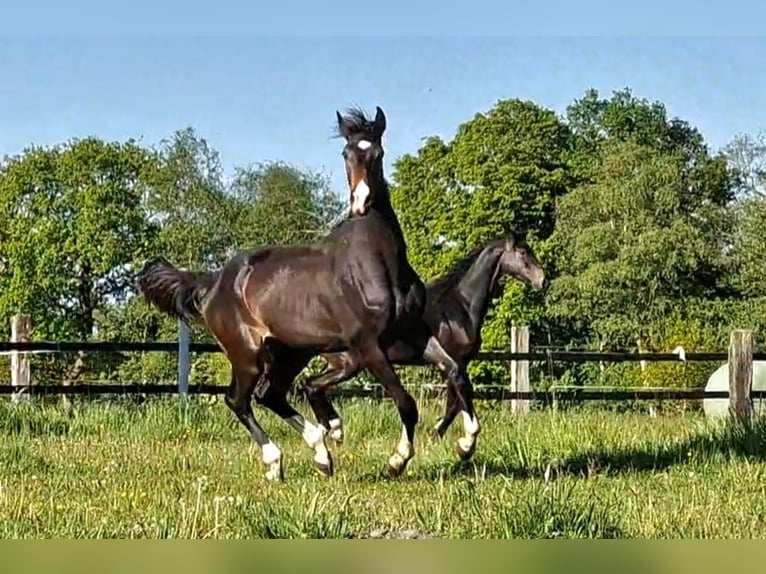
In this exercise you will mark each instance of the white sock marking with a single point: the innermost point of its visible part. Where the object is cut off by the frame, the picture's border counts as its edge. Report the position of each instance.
(470, 424)
(314, 437)
(359, 197)
(336, 429)
(471, 429)
(404, 447)
(271, 453)
(404, 451)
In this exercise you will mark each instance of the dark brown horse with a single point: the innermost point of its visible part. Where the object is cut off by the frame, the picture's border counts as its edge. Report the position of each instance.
(273, 308)
(456, 306)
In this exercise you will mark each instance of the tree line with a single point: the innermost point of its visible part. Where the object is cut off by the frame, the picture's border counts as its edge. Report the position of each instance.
(650, 238)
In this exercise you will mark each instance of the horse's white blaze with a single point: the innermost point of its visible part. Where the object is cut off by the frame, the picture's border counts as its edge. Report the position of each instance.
(359, 197)
(363, 144)
(336, 429)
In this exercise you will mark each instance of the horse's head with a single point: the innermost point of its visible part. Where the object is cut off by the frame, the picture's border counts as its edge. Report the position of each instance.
(519, 261)
(363, 155)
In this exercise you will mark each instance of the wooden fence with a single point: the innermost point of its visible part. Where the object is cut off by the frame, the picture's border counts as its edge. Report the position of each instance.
(740, 357)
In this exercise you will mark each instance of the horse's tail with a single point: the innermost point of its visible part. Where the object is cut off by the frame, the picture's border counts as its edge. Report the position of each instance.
(176, 292)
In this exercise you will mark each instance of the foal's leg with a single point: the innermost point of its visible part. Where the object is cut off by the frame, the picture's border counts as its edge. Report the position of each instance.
(284, 369)
(463, 401)
(375, 360)
(316, 393)
(451, 409)
(237, 398)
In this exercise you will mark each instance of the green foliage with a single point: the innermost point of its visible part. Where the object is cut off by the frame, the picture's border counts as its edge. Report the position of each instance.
(748, 253)
(693, 336)
(647, 228)
(72, 219)
(747, 157)
(275, 203)
(631, 244)
(501, 172)
(76, 220)
(188, 200)
(73, 223)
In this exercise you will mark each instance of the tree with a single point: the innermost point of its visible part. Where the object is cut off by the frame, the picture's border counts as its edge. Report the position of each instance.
(597, 122)
(189, 200)
(73, 224)
(501, 172)
(747, 156)
(633, 245)
(276, 203)
(186, 200)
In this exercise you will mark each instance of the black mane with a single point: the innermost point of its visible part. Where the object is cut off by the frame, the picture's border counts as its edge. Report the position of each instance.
(356, 122)
(458, 270)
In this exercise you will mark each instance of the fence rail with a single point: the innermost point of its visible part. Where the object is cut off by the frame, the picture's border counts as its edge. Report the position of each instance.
(482, 393)
(740, 357)
(544, 355)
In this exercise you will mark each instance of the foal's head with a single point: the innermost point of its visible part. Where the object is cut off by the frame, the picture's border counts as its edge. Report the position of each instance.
(363, 155)
(519, 261)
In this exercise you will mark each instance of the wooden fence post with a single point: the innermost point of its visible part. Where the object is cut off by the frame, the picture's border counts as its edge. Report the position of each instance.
(520, 369)
(184, 362)
(740, 374)
(21, 326)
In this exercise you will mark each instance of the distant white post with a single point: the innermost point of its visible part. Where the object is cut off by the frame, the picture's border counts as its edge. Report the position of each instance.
(520, 369)
(21, 326)
(184, 362)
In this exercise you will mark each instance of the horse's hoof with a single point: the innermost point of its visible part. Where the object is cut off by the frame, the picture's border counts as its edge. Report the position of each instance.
(465, 453)
(397, 464)
(276, 472)
(395, 472)
(325, 469)
(336, 432)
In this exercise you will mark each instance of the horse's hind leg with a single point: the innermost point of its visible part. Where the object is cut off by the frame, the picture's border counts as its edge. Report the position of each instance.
(457, 379)
(451, 409)
(459, 389)
(237, 398)
(284, 369)
(316, 393)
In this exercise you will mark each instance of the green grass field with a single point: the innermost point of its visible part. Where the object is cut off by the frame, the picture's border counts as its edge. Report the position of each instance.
(162, 469)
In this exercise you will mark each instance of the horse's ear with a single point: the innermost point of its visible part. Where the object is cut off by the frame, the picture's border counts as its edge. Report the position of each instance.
(341, 125)
(380, 122)
(513, 238)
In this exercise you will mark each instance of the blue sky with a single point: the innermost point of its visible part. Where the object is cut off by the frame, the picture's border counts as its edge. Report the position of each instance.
(260, 99)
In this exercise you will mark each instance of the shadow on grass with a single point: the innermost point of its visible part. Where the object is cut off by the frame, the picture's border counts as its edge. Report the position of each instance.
(728, 442)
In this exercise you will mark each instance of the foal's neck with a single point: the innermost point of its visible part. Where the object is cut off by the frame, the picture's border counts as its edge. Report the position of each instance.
(477, 287)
